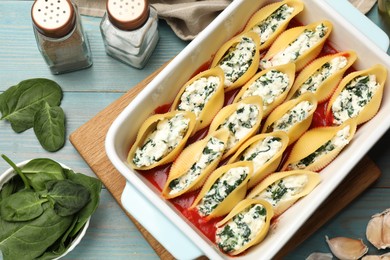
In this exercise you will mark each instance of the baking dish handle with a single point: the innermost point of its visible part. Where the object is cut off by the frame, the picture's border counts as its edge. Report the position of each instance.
(361, 22)
(162, 229)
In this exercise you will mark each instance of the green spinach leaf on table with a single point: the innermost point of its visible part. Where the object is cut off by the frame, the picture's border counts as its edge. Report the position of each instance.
(49, 127)
(19, 103)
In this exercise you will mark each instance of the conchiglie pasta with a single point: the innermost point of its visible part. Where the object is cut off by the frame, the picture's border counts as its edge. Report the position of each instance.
(299, 45)
(283, 189)
(272, 85)
(322, 76)
(241, 119)
(245, 226)
(224, 188)
(318, 147)
(160, 139)
(265, 151)
(239, 59)
(271, 20)
(359, 95)
(202, 95)
(190, 170)
(293, 117)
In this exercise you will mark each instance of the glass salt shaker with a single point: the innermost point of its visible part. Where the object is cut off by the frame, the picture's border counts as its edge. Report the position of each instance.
(129, 31)
(60, 36)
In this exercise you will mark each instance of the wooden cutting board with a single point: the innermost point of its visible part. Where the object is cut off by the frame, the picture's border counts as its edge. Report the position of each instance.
(89, 142)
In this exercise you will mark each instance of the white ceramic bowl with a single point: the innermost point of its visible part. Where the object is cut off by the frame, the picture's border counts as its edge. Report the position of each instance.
(8, 174)
(164, 87)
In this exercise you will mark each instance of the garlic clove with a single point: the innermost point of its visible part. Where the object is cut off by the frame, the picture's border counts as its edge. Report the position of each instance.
(377, 257)
(319, 256)
(371, 257)
(385, 256)
(347, 248)
(386, 229)
(374, 230)
(378, 230)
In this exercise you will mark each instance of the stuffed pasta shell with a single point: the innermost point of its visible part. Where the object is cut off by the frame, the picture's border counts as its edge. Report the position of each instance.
(224, 188)
(283, 189)
(318, 147)
(194, 164)
(272, 85)
(239, 59)
(359, 95)
(322, 76)
(299, 45)
(293, 117)
(160, 139)
(271, 20)
(202, 95)
(241, 119)
(265, 151)
(245, 226)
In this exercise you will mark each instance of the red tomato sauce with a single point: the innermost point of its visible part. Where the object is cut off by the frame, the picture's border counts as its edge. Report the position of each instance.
(158, 176)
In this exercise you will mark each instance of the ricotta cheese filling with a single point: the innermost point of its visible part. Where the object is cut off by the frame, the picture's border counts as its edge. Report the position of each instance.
(238, 60)
(197, 94)
(284, 189)
(212, 151)
(162, 140)
(352, 99)
(240, 123)
(339, 141)
(224, 185)
(261, 152)
(295, 115)
(323, 73)
(241, 229)
(297, 48)
(268, 86)
(269, 25)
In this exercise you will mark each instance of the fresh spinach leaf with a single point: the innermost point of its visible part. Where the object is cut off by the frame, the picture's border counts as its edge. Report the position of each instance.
(30, 239)
(60, 246)
(69, 197)
(22, 206)
(43, 165)
(49, 127)
(13, 185)
(94, 187)
(41, 170)
(19, 103)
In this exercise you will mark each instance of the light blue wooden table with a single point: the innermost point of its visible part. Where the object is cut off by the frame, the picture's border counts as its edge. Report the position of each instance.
(111, 234)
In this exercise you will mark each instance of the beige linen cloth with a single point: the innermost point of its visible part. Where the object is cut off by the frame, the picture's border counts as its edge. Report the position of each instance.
(187, 17)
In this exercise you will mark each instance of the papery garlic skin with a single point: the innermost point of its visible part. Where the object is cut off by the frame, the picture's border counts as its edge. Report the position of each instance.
(319, 256)
(347, 248)
(378, 230)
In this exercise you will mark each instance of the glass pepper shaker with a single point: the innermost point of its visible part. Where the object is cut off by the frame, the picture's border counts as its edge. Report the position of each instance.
(129, 31)
(60, 36)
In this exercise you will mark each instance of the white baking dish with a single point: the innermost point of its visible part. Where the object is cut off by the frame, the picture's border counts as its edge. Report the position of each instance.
(176, 233)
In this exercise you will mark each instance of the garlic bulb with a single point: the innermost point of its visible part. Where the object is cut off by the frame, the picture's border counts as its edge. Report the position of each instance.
(347, 248)
(378, 230)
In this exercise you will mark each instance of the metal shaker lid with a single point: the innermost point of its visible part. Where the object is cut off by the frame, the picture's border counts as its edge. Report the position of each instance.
(53, 18)
(127, 14)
